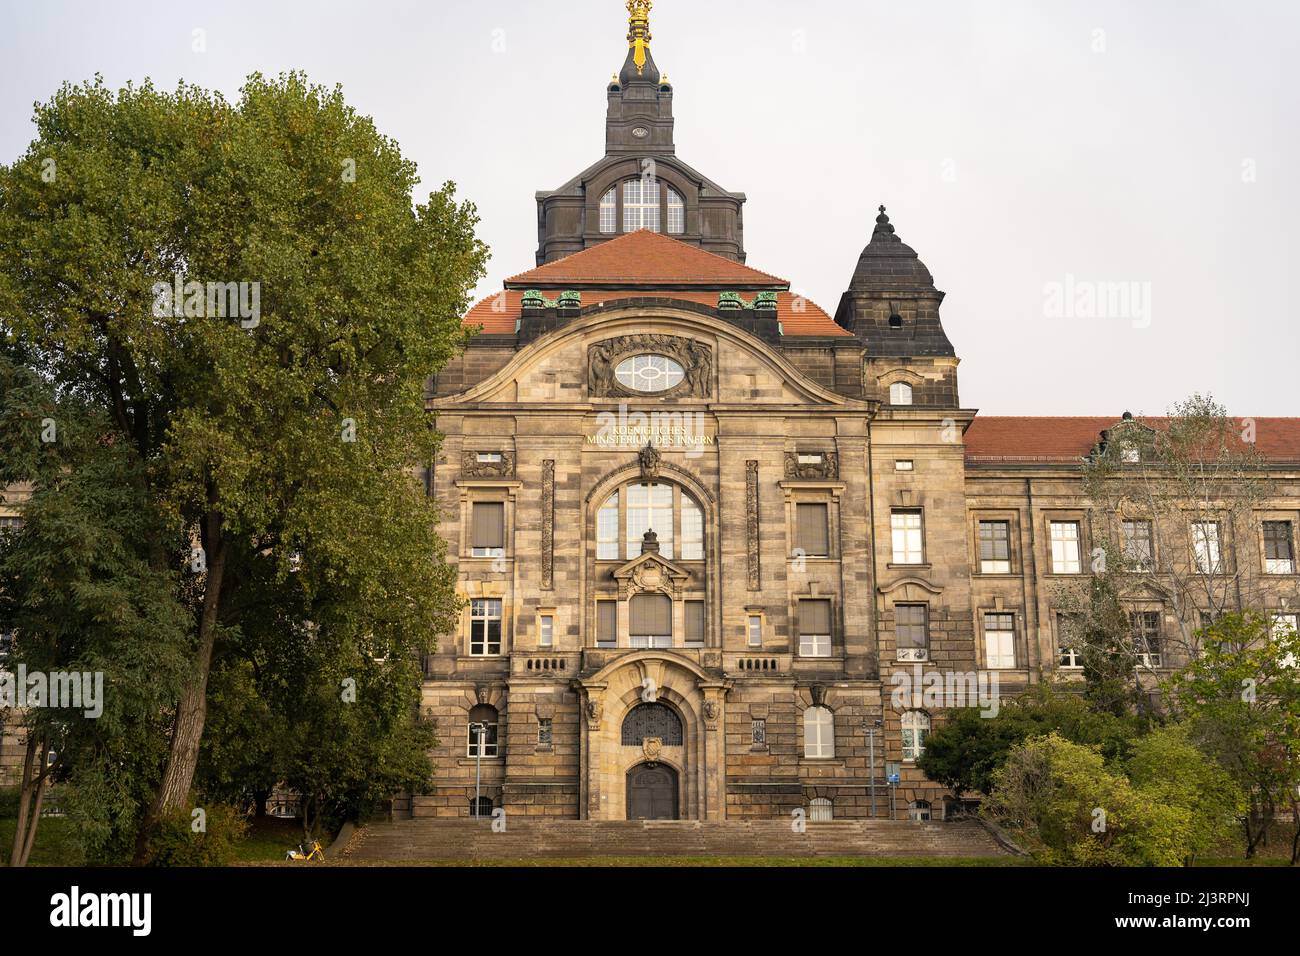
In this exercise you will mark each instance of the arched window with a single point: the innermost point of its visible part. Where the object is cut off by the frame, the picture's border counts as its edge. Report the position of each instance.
(919, 810)
(482, 729)
(650, 620)
(652, 720)
(676, 212)
(482, 807)
(641, 204)
(673, 515)
(818, 732)
(916, 727)
(900, 393)
(820, 810)
(609, 211)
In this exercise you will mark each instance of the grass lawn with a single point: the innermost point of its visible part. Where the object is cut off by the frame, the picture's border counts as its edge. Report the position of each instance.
(268, 839)
(54, 843)
(692, 861)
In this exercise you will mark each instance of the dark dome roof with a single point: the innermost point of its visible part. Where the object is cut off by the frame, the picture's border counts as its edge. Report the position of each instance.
(889, 263)
(649, 73)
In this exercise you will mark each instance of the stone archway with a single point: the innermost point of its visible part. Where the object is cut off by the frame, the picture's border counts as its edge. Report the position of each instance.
(696, 761)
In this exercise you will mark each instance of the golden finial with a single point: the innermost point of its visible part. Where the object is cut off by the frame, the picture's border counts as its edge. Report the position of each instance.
(638, 30)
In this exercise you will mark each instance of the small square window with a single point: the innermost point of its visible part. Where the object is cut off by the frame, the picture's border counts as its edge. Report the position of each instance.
(488, 457)
(904, 464)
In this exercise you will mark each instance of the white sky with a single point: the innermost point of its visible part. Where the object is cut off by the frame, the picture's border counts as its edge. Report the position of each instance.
(1010, 150)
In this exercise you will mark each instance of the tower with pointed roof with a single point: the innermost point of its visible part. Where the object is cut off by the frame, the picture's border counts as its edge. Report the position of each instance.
(639, 183)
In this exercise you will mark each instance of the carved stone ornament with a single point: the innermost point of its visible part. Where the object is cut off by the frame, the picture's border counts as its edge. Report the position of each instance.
(711, 710)
(695, 358)
(652, 747)
(650, 460)
(827, 467)
(594, 710)
(471, 467)
(649, 577)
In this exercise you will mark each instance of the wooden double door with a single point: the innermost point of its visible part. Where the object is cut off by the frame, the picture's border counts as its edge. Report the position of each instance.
(652, 792)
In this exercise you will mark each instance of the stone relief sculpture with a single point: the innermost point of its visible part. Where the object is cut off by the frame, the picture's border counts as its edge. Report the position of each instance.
(471, 467)
(828, 467)
(696, 359)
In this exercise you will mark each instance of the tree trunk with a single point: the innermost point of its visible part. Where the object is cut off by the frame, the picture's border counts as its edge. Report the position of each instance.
(31, 796)
(192, 710)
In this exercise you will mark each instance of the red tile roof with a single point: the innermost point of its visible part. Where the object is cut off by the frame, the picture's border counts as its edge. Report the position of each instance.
(1047, 439)
(798, 316)
(648, 258)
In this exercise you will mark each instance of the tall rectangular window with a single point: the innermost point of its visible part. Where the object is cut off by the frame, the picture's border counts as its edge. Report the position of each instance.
(650, 620)
(1135, 543)
(609, 211)
(1067, 642)
(606, 623)
(758, 732)
(607, 530)
(999, 641)
(484, 626)
(905, 528)
(754, 630)
(694, 623)
(995, 547)
(692, 530)
(1146, 637)
(1205, 546)
(545, 735)
(641, 204)
(1279, 551)
(811, 533)
(488, 529)
(649, 508)
(911, 632)
(814, 628)
(1065, 547)
(546, 631)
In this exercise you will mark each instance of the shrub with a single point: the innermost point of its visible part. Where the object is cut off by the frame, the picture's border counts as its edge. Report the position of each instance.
(174, 841)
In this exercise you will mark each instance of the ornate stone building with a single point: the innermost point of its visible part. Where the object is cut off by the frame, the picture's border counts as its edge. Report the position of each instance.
(701, 524)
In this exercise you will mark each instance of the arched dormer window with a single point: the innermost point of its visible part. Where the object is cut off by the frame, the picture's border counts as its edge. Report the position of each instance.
(818, 732)
(641, 204)
(609, 211)
(900, 393)
(676, 212)
(626, 515)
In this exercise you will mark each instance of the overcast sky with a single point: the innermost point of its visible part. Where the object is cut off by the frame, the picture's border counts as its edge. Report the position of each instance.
(1038, 155)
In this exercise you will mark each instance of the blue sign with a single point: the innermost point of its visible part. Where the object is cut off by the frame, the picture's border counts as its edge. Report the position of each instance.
(893, 779)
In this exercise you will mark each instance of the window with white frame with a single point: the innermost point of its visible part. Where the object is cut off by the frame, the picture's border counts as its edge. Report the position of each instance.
(919, 810)
(999, 640)
(488, 529)
(484, 626)
(609, 211)
(676, 212)
(692, 530)
(1065, 547)
(900, 393)
(1145, 626)
(905, 531)
(641, 204)
(1279, 551)
(916, 727)
(482, 731)
(814, 628)
(1071, 654)
(995, 547)
(1135, 544)
(1205, 546)
(820, 810)
(818, 732)
(904, 464)
(607, 530)
(754, 630)
(911, 632)
(546, 630)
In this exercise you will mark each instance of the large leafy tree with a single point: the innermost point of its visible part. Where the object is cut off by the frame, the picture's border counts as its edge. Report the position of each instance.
(276, 442)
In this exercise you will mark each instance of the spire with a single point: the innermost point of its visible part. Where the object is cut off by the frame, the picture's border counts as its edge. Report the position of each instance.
(639, 65)
(884, 231)
(638, 31)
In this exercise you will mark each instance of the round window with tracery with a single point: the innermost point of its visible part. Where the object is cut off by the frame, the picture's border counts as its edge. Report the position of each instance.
(648, 373)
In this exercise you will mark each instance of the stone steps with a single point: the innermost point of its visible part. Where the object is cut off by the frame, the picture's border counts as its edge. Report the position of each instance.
(465, 839)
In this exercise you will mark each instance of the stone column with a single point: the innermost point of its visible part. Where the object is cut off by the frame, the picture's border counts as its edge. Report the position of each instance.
(713, 794)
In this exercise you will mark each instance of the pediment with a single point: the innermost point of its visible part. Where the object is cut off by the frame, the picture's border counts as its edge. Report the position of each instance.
(651, 571)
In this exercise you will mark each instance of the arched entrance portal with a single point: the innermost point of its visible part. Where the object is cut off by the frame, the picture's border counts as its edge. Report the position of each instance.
(652, 792)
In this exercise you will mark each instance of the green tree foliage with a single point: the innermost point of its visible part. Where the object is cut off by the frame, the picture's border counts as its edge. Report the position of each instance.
(277, 445)
(1068, 808)
(1241, 700)
(966, 752)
